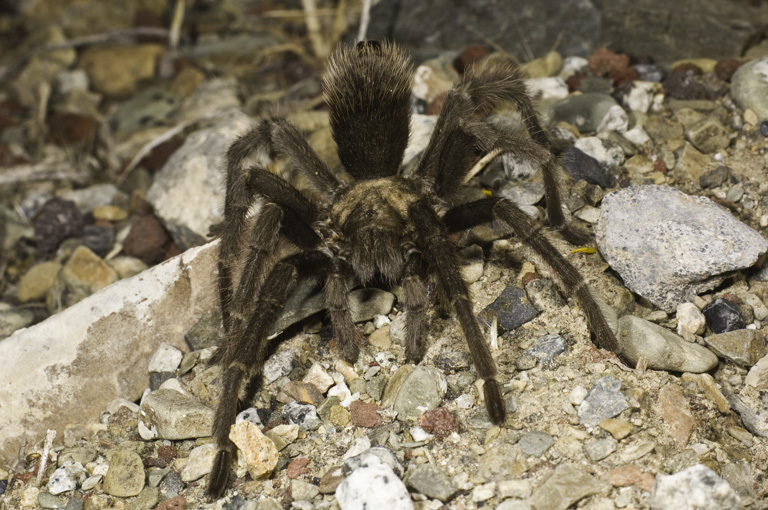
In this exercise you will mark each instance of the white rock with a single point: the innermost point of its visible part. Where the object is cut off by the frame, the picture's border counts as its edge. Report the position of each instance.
(616, 119)
(637, 135)
(690, 321)
(67, 477)
(109, 336)
(641, 95)
(551, 87)
(608, 155)
(317, 376)
(375, 487)
(199, 463)
(250, 415)
(695, 488)
(165, 359)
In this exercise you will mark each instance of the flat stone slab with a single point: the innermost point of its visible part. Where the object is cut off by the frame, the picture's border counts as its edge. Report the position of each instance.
(668, 246)
(67, 368)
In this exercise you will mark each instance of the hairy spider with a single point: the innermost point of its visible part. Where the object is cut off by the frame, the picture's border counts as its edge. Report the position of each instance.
(374, 223)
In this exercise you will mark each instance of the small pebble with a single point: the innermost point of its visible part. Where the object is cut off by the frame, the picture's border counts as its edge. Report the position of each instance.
(723, 315)
(125, 476)
(694, 488)
(604, 400)
(57, 220)
(258, 451)
(199, 463)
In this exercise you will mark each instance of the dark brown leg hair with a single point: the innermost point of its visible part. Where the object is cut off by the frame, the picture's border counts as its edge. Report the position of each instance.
(482, 211)
(416, 301)
(246, 353)
(441, 256)
(264, 236)
(479, 94)
(337, 304)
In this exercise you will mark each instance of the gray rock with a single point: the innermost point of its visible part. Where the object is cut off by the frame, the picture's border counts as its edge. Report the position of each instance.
(147, 498)
(308, 298)
(585, 111)
(99, 194)
(303, 491)
(498, 463)
(695, 488)
(742, 346)
(165, 359)
(661, 348)
(413, 390)
(373, 485)
(535, 443)
(48, 500)
(604, 400)
(526, 193)
(125, 476)
(511, 309)
(188, 192)
(708, 135)
(547, 347)
(154, 106)
(168, 414)
(668, 246)
(429, 480)
(435, 25)
(749, 87)
(600, 449)
(752, 410)
(740, 477)
(303, 415)
(567, 485)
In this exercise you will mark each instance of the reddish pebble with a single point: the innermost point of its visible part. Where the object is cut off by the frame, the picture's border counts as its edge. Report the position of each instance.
(365, 415)
(614, 66)
(439, 422)
(626, 476)
(297, 468)
(177, 503)
(468, 57)
(65, 128)
(157, 158)
(725, 68)
(147, 240)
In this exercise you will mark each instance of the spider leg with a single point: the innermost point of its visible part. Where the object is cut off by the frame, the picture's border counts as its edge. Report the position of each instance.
(296, 217)
(468, 215)
(247, 352)
(442, 259)
(337, 304)
(416, 302)
(264, 237)
(477, 95)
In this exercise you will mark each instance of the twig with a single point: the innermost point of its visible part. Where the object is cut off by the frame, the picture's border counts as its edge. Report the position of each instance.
(365, 18)
(481, 163)
(89, 40)
(45, 171)
(176, 23)
(50, 435)
(313, 27)
(167, 135)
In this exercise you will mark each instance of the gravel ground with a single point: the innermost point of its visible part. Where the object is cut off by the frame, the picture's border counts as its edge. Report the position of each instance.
(584, 429)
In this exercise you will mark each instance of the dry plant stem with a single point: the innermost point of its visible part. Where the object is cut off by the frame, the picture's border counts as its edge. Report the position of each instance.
(365, 18)
(313, 27)
(46, 171)
(482, 163)
(178, 20)
(167, 135)
(50, 435)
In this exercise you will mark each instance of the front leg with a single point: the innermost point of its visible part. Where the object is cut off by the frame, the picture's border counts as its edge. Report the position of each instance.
(440, 254)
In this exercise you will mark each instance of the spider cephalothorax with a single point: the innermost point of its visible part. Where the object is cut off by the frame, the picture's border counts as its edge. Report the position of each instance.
(373, 224)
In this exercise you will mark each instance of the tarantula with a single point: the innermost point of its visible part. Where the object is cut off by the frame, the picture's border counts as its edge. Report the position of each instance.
(373, 224)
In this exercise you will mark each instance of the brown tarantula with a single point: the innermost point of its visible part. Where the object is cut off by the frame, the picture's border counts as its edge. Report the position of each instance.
(377, 225)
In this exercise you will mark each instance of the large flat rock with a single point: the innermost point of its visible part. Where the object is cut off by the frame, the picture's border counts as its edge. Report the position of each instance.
(67, 368)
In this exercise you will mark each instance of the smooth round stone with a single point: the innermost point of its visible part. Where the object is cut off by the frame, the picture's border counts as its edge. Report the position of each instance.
(37, 280)
(109, 213)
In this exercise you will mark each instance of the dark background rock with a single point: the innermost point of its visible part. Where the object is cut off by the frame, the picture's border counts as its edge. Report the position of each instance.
(667, 31)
